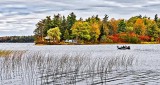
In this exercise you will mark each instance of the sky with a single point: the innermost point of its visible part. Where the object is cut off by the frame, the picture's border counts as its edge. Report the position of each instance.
(18, 17)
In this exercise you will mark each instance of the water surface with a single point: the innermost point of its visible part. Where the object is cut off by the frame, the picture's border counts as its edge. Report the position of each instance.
(145, 69)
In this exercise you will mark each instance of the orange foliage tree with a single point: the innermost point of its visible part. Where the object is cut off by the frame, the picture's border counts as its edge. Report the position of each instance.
(139, 27)
(113, 26)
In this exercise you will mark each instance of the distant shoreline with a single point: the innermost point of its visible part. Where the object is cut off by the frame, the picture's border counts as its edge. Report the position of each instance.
(16, 42)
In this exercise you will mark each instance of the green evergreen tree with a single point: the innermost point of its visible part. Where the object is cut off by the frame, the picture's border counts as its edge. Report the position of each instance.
(63, 27)
(71, 19)
(156, 18)
(122, 26)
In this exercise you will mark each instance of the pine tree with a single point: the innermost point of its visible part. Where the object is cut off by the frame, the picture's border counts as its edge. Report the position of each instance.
(156, 18)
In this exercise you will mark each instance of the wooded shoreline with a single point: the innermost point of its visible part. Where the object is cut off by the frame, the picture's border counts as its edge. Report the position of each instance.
(94, 30)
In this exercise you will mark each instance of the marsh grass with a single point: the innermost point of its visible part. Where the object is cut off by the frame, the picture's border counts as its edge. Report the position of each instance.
(5, 53)
(9, 53)
(36, 68)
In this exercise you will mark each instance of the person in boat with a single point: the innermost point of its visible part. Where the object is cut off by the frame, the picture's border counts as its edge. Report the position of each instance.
(128, 47)
(123, 47)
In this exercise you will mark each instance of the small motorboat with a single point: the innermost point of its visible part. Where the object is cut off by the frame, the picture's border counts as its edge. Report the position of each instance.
(123, 47)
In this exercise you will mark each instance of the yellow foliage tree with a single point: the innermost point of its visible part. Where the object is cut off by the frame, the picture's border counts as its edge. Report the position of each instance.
(139, 27)
(54, 34)
(95, 31)
(81, 30)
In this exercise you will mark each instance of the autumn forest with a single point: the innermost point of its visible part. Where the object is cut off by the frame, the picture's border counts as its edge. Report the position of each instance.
(94, 30)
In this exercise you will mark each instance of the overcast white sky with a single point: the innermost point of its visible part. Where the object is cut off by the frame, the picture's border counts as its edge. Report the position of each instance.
(18, 17)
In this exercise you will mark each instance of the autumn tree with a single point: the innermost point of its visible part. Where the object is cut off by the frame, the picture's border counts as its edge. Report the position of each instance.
(54, 34)
(113, 26)
(129, 29)
(139, 27)
(152, 30)
(131, 21)
(95, 23)
(95, 31)
(81, 30)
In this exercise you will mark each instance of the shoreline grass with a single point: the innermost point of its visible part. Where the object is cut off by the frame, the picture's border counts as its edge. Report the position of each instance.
(4, 53)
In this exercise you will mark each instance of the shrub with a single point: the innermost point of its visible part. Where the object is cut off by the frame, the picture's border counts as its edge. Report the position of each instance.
(145, 38)
(114, 38)
(108, 40)
(129, 38)
(134, 40)
(103, 39)
(152, 39)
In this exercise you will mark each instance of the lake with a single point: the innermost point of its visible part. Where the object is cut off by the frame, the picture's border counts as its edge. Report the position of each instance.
(145, 68)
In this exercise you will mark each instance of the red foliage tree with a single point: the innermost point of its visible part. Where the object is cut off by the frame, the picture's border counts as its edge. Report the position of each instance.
(145, 38)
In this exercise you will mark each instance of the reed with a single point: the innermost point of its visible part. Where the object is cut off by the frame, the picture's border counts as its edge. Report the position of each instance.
(36, 68)
(5, 53)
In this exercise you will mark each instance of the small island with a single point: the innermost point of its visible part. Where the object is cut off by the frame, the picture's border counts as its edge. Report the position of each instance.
(61, 30)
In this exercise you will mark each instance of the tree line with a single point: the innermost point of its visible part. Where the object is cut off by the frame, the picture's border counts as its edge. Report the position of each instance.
(136, 29)
(15, 39)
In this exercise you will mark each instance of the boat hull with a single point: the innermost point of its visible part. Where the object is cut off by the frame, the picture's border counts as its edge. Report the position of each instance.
(124, 48)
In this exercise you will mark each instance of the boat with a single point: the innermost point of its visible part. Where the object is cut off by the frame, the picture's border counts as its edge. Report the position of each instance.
(123, 47)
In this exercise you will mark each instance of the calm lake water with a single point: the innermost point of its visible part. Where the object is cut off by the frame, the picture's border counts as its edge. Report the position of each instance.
(145, 70)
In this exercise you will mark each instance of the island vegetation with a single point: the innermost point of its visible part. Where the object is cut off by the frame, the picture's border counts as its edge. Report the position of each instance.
(93, 30)
(17, 39)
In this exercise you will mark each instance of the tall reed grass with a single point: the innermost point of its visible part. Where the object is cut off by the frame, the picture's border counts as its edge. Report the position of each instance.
(36, 68)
